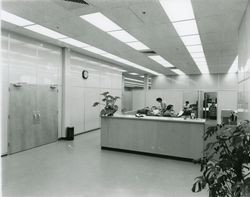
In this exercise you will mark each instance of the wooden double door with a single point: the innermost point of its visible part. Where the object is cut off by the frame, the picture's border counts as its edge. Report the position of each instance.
(33, 116)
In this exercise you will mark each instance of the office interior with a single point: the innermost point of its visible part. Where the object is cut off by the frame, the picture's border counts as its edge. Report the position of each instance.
(59, 57)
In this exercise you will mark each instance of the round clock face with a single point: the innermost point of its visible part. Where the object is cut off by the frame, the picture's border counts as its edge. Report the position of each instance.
(85, 74)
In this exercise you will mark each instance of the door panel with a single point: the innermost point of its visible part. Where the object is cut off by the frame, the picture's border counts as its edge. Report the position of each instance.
(33, 116)
(47, 129)
(22, 123)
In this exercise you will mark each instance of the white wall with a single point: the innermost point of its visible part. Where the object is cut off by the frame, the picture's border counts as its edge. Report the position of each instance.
(27, 60)
(244, 67)
(85, 92)
(30, 61)
(205, 82)
(177, 89)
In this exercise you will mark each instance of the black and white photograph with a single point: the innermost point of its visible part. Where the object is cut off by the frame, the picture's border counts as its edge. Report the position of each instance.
(125, 98)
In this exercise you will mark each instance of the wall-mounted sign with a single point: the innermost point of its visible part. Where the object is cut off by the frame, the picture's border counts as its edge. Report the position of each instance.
(85, 74)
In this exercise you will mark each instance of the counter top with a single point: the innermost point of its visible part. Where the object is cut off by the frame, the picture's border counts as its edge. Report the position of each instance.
(158, 118)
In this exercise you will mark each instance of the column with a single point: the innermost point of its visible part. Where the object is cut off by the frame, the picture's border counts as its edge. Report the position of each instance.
(146, 88)
(65, 90)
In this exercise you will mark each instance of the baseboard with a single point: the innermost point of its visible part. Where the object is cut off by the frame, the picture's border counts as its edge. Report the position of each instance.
(64, 138)
(86, 131)
(149, 154)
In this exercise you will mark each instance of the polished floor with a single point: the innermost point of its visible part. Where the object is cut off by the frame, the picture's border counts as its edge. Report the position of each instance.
(81, 168)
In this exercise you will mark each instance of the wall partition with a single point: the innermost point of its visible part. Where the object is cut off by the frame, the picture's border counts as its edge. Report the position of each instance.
(84, 92)
(176, 90)
(27, 61)
(32, 62)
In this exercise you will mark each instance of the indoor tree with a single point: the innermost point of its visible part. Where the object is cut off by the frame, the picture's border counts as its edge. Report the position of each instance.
(225, 166)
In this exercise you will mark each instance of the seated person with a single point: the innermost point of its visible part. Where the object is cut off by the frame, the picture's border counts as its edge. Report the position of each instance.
(154, 111)
(163, 105)
(213, 111)
(143, 111)
(186, 109)
(169, 111)
(186, 106)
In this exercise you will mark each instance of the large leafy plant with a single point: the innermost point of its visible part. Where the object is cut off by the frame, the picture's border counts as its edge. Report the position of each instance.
(225, 166)
(109, 104)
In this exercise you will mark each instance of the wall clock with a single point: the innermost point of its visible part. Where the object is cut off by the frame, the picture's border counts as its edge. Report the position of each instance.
(85, 74)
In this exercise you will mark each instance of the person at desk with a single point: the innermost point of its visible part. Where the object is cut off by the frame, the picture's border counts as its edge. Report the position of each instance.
(163, 105)
(186, 106)
(169, 111)
(186, 109)
(213, 111)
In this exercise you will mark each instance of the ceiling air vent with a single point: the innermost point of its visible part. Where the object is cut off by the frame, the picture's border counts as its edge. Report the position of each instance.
(78, 1)
(148, 52)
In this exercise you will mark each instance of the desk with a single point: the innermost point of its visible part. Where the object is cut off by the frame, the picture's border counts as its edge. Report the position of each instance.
(176, 137)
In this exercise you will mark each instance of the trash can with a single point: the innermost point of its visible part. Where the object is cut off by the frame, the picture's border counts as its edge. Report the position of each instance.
(70, 133)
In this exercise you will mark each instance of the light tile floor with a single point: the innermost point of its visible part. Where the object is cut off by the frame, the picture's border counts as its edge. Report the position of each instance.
(81, 168)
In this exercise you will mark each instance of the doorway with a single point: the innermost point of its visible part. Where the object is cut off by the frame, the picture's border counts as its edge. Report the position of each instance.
(33, 116)
(210, 106)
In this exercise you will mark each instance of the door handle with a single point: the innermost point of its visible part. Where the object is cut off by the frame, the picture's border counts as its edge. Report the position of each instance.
(36, 115)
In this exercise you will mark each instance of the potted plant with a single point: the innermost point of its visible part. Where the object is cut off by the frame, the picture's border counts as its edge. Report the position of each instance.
(225, 166)
(109, 104)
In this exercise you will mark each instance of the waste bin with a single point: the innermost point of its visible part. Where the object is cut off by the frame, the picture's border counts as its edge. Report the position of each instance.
(70, 133)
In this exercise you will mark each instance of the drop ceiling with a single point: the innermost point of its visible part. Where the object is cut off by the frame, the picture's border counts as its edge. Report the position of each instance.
(217, 20)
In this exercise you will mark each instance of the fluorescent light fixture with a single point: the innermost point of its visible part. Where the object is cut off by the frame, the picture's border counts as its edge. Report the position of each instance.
(100, 21)
(178, 10)
(45, 31)
(16, 20)
(121, 60)
(110, 67)
(185, 28)
(202, 59)
(191, 40)
(123, 36)
(195, 49)
(74, 42)
(234, 67)
(181, 14)
(131, 79)
(138, 45)
(199, 55)
(133, 73)
(160, 60)
(110, 56)
(95, 50)
(178, 71)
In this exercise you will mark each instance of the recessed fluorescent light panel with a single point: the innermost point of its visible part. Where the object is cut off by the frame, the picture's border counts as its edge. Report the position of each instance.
(45, 31)
(74, 42)
(161, 60)
(195, 49)
(95, 50)
(185, 28)
(178, 10)
(138, 46)
(123, 36)
(108, 26)
(16, 20)
(191, 40)
(178, 71)
(101, 22)
(110, 56)
(181, 15)
(198, 55)
(133, 73)
(131, 79)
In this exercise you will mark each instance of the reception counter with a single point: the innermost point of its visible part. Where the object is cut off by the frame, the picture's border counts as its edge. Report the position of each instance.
(162, 136)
